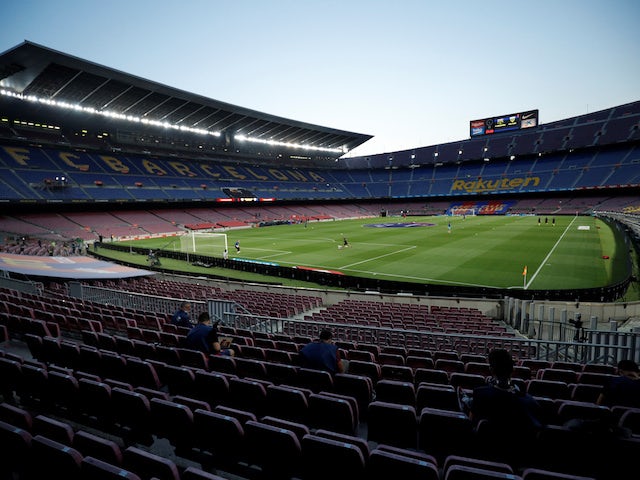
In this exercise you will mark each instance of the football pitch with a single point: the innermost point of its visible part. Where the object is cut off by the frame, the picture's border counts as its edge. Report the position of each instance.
(519, 252)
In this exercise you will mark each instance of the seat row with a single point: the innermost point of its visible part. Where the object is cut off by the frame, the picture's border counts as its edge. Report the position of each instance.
(150, 362)
(277, 448)
(114, 404)
(34, 456)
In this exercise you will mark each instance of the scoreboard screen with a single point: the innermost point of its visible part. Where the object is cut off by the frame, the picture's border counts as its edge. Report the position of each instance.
(503, 123)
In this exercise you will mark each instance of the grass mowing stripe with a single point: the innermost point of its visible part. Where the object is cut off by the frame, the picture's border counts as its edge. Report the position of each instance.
(483, 250)
(535, 273)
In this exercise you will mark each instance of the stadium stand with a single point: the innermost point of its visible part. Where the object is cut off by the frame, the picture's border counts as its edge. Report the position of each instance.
(96, 383)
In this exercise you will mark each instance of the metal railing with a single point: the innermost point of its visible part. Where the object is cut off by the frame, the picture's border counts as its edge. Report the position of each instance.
(559, 341)
(596, 347)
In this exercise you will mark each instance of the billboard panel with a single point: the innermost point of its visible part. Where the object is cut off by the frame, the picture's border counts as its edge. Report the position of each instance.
(503, 123)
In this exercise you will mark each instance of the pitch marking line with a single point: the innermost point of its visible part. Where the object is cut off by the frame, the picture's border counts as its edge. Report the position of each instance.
(378, 257)
(535, 274)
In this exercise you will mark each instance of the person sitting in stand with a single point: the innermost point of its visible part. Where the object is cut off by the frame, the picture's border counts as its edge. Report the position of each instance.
(181, 317)
(500, 400)
(322, 354)
(204, 337)
(507, 417)
(624, 389)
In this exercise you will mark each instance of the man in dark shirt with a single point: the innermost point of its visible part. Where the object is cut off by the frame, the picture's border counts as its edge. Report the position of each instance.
(506, 419)
(623, 390)
(204, 337)
(500, 401)
(322, 354)
(181, 317)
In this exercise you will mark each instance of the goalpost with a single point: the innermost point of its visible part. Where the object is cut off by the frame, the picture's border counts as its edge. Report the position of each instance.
(204, 243)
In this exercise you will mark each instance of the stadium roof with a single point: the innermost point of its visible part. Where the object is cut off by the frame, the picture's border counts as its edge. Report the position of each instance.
(30, 69)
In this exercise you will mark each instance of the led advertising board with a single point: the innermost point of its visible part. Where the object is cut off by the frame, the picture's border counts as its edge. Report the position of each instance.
(503, 123)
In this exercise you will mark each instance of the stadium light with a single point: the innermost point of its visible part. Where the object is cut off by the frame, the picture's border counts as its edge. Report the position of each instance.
(105, 113)
(245, 138)
(146, 121)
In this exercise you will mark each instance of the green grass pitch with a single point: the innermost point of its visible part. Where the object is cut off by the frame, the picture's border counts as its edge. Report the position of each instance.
(488, 251)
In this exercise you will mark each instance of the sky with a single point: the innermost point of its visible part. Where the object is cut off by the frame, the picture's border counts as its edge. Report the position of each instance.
(411, 73)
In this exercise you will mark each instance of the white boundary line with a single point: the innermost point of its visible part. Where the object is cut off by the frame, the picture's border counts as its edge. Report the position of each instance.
(379, 256)
(542, 264)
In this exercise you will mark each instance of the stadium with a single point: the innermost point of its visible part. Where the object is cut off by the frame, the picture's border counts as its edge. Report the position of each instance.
(119, 196)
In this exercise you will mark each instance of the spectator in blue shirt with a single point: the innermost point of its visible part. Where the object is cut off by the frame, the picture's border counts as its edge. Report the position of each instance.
(182, 317)
(204, 337)
(624, 389)
(322, 354)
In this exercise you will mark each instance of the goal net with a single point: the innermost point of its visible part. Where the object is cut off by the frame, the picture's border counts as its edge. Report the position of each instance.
(204, 243)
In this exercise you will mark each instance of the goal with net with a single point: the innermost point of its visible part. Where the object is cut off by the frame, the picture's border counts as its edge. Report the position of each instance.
(204, 243)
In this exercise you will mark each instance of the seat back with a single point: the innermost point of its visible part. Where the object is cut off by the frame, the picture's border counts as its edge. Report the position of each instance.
(16, 444)
(172, 421)
(53, 429)
(227, 445)
(438, 396)
(554, 389)
(247, 394)
(212, 387)
(431, 375)
(288, 402)
(149, 465)
(315, 452)
(101, 448)
(332, 413)
(17, 416)
(386, 464)
(277, 451)
(359, 387)
(394, 391)
(444, 432)
(392, 424)
(367, 369)
(97, 469)
(53, 456)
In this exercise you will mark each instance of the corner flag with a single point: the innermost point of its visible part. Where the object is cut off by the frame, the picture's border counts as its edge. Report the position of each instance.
(524, 272)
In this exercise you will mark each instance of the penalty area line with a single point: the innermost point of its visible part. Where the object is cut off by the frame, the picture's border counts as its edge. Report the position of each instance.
(379, 256)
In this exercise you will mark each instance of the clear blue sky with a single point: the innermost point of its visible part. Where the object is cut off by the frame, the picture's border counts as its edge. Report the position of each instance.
(410, 72)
